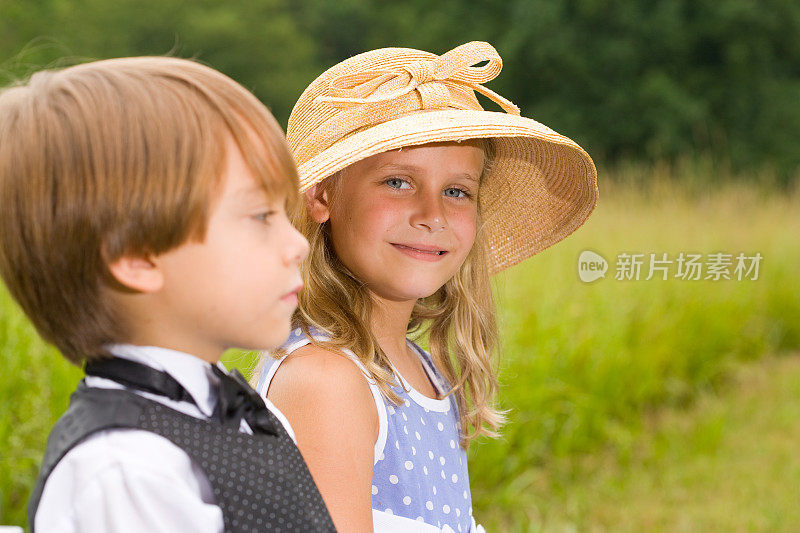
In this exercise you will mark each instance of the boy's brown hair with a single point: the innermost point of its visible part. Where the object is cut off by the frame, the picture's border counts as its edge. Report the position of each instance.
(112, 158)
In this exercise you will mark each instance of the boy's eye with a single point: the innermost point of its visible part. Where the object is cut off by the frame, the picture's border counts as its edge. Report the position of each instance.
(397, 183)
(455, 192)
(262, 217)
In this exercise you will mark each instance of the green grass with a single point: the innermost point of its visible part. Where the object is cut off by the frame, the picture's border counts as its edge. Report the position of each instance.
(584, 367)
(584, 363)
(33, 393)
(728, 462)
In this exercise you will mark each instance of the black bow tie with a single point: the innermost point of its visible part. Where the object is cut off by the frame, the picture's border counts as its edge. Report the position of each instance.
(238, 400)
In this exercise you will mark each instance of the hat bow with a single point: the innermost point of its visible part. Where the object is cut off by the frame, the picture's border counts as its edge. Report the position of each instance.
(430, 78)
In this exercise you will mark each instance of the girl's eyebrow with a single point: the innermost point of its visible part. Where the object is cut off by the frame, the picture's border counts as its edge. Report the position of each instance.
(395, 167)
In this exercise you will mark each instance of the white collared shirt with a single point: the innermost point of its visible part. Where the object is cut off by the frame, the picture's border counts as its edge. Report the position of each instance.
(130, 480)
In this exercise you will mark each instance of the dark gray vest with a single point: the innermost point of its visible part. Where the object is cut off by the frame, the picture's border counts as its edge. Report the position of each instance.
(260, 481)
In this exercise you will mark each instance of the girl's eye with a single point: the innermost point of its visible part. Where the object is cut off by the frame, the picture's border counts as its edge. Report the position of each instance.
(397, 183)
(455, 192)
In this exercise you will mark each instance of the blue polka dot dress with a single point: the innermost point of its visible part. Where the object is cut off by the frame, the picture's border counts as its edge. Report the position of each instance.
(420, 480)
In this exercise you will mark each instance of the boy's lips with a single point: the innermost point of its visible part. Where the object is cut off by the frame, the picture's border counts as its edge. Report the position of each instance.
(291, 296)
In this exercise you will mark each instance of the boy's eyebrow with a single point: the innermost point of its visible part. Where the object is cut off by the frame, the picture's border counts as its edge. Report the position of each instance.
(249, 191)
(413, 168)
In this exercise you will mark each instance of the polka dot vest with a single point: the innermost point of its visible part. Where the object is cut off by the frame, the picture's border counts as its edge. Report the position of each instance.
(420, 470)
(260, 482)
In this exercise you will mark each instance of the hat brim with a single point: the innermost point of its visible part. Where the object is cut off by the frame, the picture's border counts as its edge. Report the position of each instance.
(541, 186)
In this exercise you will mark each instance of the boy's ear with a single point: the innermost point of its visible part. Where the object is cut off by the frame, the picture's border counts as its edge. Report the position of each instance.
(140, 273)
(317, 203)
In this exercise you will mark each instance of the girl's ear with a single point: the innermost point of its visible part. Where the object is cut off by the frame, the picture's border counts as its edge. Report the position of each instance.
(140, 273)
(317, 203)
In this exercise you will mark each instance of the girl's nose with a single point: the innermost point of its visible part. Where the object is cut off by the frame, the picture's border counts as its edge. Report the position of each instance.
(429, 213)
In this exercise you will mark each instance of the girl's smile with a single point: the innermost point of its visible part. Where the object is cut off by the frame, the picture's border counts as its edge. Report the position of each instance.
(420, 251)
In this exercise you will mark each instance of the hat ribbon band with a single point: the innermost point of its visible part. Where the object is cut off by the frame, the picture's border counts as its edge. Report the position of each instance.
(454, 67)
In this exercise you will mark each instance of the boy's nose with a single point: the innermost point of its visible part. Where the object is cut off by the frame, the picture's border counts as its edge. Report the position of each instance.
(297, 248)
(429, 213)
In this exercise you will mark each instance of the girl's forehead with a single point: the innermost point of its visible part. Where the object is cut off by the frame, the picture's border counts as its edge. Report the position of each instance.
(465, 150)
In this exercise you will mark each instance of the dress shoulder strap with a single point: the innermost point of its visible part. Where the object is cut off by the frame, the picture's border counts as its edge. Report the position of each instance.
(297, 339)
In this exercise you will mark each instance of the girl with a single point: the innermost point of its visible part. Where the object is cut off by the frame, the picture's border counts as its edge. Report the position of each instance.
(415, 195)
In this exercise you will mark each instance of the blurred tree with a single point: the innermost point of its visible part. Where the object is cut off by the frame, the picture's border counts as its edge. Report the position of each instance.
(640, 78)
(256, 43)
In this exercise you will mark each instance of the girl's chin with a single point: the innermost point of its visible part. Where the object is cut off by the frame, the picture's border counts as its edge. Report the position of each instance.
(406, 294)
(401, 285)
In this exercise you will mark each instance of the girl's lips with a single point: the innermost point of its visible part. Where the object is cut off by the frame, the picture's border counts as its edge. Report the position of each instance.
(423, 253)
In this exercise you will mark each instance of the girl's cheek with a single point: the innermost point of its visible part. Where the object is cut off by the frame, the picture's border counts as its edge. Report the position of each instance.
(466, 219)
(383, 212)
(472, 233)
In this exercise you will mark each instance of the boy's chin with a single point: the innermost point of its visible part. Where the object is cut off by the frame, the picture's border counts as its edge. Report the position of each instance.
(276, 337)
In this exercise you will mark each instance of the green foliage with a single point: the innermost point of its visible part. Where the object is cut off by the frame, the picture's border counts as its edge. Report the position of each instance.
(644, 79)
(257, 43)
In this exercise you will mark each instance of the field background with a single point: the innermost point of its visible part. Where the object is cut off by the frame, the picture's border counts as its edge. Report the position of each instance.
(633, 405)
(608, 384)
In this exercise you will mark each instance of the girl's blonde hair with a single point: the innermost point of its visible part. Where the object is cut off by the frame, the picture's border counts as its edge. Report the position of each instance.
(459, 318)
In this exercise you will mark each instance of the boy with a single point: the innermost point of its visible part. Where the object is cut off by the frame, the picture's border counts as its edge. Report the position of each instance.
(143, 231)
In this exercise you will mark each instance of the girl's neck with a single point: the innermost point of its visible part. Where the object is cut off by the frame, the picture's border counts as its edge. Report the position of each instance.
(389, 324)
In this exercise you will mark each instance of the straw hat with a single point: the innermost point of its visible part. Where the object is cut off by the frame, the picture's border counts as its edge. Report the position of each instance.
(541, 185)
